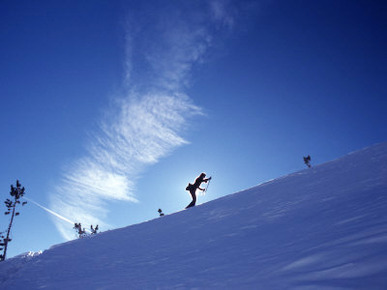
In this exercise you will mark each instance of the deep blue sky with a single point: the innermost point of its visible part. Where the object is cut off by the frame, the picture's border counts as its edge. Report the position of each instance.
(250, 86)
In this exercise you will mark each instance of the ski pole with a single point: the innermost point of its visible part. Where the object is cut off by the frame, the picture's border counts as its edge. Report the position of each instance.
(208, 184)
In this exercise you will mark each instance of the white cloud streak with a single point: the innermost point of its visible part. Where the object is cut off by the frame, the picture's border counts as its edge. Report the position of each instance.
(143, 131)
(143, 126)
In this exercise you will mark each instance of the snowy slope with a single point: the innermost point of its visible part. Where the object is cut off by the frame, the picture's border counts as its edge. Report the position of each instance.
(320, 228)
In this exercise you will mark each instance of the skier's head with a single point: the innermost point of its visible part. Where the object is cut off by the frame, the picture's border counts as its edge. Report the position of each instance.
(202, 175)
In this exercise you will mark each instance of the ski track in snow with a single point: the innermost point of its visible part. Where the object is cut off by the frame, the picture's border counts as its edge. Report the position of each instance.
(320, 228)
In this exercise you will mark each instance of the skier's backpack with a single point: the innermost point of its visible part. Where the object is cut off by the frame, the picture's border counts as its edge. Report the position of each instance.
(189, 187)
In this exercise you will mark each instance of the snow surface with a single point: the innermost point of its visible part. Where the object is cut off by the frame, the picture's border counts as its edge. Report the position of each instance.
(320, 228)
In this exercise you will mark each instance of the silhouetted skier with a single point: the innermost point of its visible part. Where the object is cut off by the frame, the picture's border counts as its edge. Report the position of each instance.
(193, 187)
(307, 161)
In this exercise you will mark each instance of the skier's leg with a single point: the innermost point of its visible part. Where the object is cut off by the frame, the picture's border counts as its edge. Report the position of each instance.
(190, 205)
(193, 202)
(193, 194)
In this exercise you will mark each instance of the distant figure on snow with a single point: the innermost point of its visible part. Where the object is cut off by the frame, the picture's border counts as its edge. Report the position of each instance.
(160, 212)
(193, 187)
(307, 161)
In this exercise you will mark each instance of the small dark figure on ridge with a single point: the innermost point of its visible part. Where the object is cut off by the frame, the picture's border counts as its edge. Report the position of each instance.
(307, 161)
(193, 187)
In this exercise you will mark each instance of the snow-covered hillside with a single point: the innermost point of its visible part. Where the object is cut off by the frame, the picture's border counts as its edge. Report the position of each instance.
(320, 228)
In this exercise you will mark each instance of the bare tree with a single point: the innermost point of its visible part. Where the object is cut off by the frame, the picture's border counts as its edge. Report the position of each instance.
(307, 160)
(93, 230)
(16, 193)
(81, 232)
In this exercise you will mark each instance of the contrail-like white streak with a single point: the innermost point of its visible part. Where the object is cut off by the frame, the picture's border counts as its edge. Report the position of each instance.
(50, 211)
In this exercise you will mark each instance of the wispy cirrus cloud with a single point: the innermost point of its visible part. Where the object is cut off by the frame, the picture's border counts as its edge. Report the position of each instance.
(143, 131)
(147, 122)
